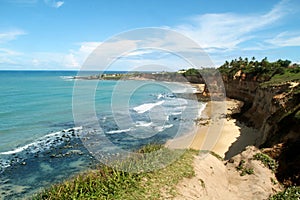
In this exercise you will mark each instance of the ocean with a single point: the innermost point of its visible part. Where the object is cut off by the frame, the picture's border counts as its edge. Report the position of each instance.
(44, 114)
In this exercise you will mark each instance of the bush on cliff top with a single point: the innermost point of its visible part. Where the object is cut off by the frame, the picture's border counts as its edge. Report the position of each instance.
(261, 71)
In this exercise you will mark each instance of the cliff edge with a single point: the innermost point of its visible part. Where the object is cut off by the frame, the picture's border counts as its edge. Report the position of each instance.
(272, 105)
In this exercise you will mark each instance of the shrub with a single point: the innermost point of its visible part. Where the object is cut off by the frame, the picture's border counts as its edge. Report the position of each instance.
(267, 161)
(290, 193)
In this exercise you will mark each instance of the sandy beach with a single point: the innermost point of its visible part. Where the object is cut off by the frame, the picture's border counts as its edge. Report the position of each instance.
(217, 131)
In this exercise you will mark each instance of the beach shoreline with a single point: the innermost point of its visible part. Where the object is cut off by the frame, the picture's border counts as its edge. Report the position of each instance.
(217, 131)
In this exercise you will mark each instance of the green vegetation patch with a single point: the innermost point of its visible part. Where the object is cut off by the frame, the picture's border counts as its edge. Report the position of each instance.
(267, 161)
(290, 193)
(265, 72)
(243, 169)
(112, 183)
(287, 76)
(216, 155)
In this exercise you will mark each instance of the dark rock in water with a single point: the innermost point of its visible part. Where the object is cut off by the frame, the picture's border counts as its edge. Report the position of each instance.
(52, 156)
(59, 156)
(55, 152)
(71, 130)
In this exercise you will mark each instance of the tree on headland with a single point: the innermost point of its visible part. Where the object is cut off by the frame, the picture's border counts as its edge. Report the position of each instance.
(257, 70)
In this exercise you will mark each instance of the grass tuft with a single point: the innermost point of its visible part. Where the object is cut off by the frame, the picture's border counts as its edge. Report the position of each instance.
(112, 183)
(244, 170)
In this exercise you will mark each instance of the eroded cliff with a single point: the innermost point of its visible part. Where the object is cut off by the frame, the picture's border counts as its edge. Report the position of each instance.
(274, 110)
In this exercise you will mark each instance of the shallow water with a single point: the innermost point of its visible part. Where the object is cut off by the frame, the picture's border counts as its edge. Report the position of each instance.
(41, 144)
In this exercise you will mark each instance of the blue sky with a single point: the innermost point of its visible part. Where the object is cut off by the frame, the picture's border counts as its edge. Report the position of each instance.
(52, 34)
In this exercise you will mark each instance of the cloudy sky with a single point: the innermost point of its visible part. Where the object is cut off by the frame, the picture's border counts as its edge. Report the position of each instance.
(52, 34)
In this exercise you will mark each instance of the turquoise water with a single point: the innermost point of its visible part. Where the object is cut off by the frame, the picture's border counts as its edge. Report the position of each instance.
(37, 112)
(31, 105)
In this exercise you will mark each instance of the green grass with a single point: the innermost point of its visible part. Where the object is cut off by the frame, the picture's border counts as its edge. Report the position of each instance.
(282, 78)
(267, 161)
(244, 170)
(213, 154)
(248, 171)
(121, 183)
(216, 155)
(290, 193)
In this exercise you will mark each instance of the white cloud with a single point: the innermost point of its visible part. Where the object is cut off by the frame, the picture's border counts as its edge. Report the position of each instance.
(51, 3)
(228, 30)
(285, 39)
(138, 52)
(4, 51)
(70, 61)
(10, 35)
(54, 3)
(9, 57)
(222, 35)
(75, 58)
(88, 47)
(35, 62)
(58, 4)
(23, 2)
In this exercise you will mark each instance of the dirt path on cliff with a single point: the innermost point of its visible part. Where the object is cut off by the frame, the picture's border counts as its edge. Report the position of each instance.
(216, 179)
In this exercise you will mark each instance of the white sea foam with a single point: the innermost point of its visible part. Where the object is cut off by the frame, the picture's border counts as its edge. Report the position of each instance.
(146, 107)
(180, 90)
(143, 123)
(4, 164)
(67, 77)
(119, 131)
(162, 128)
(202, 107)
(163, 96)
(195, 90)
(18, 150)
(176, 113)
(41, 143)
(160, 96)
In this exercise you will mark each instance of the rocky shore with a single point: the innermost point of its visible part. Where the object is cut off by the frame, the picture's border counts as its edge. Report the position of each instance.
(60, 154)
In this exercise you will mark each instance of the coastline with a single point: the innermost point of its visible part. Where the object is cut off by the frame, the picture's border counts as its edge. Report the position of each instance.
(217, 131)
